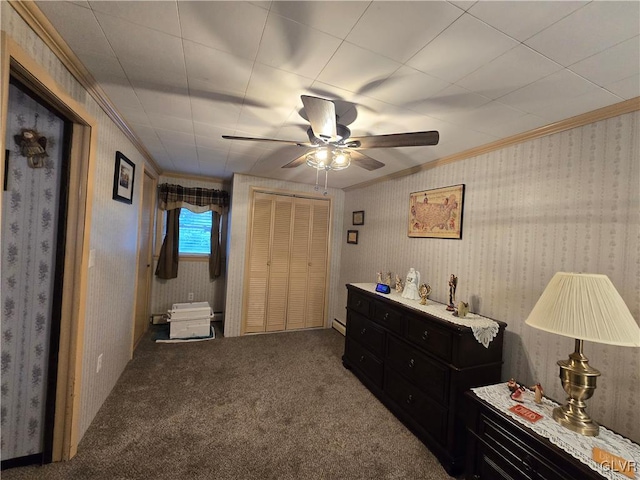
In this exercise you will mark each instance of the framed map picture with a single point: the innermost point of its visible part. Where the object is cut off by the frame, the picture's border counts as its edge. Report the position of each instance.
(436, 213)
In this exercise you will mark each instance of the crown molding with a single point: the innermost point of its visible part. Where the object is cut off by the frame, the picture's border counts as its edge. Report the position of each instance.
(39, 23)
(604, 113)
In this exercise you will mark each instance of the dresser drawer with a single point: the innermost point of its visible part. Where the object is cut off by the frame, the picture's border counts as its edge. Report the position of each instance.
(359, 303)
(513, 455)
(364, 361)
(366, 333)
(424, 411)
(431, 337)
(389, 317)
(429, 375)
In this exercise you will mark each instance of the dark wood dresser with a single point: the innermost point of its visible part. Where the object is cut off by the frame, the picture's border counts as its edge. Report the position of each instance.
(500, 447)
(419, 365)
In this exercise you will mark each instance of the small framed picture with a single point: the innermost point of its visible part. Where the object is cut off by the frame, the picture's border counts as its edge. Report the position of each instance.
(352, 236)
(123, 178)
(358, 217)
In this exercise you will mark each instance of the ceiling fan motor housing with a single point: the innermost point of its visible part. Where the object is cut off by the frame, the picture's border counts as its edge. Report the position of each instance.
(342, 133)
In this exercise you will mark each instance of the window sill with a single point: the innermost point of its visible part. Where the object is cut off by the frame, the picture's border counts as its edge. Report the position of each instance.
(190, 258)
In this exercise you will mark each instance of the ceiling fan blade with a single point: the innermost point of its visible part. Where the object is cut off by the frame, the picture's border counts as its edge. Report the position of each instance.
(411, 139)
(296, 162)
(365, 161)
(322, 117)
(252, 139)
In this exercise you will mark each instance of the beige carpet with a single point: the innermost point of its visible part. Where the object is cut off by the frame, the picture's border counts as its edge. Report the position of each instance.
(276, 406)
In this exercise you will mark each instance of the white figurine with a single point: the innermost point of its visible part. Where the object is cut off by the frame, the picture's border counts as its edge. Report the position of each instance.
(379, 277)
(387, 279)
(411, 285)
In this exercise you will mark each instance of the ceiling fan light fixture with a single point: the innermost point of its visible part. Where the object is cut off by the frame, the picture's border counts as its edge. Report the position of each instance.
(341, 160)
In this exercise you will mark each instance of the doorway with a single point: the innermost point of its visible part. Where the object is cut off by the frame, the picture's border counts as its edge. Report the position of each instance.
(34, 215)
(145, 259)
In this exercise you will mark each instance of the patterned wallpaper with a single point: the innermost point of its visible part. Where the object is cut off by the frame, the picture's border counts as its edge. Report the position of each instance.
(240, 205)
(113, 236)
(29, 234)
(565, 202)
(193, 275)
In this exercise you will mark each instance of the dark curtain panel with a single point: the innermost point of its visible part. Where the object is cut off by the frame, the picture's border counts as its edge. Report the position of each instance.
(215, 259)
(168, 262)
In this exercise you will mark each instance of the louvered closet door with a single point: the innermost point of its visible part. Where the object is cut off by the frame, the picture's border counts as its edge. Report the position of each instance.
(279, 263)
(298, 268)
(318, 264)
(256, 306)
(308, 265)
(287, 263)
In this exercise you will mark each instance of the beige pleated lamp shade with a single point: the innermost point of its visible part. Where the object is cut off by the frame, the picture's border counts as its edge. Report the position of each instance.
(585, 306)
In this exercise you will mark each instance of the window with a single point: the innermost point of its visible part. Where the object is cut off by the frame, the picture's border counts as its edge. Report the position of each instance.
(195, 233)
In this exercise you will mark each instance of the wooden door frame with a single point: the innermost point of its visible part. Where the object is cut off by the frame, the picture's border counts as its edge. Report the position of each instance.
(245, 280)
(154, 179)
(17, 62)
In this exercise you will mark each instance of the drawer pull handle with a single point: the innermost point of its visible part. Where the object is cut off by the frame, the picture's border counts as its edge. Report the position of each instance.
(386, 316)
(363, 331)
(425, 335)
(361, 358)
(410, 399)
(412, 362)
(359, 303)
(526, 463)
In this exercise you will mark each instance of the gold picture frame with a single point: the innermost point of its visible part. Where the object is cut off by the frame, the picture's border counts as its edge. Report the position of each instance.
(352, 236)
(436, 213)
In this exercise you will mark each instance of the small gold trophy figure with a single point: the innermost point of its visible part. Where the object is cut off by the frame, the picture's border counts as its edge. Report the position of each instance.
(425, 290)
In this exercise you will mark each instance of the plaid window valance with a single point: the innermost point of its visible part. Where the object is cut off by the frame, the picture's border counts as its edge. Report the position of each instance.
(196, 199)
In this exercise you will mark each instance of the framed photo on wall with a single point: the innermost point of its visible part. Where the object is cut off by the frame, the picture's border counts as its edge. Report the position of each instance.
(352, 236)
(436, 213)
(358, 217)
(123, 178)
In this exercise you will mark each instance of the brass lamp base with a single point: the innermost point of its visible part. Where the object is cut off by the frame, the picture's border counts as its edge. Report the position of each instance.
(579, 382)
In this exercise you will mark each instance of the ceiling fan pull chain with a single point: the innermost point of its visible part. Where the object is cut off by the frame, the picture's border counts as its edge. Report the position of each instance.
(317, 187)
(326, 181)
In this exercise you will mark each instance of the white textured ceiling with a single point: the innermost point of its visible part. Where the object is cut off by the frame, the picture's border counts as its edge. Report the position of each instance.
(182, 74)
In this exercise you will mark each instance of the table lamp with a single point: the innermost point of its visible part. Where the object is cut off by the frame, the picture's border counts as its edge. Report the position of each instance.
(584, 306)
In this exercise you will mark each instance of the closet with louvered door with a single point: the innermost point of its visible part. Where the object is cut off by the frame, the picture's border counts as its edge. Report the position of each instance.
(287, 263)
(308, 267)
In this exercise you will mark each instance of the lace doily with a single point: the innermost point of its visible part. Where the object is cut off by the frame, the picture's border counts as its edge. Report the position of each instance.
(575, 444)
(484, 329)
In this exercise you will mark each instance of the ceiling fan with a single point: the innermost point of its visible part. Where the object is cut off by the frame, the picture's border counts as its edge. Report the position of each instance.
(331, 144)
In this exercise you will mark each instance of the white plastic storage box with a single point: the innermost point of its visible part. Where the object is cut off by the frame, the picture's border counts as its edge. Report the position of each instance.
(188, 320)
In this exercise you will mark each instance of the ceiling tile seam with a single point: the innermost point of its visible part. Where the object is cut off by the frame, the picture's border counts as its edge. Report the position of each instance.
(126, 19)
(343, 41)
(130, 84)
(536, 33)
(406, 63)
(186, 76)
(253, 66)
